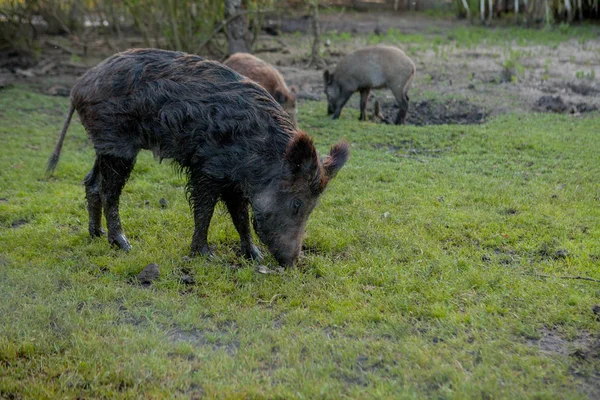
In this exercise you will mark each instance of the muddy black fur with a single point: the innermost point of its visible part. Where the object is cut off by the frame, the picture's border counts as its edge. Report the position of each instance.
(227, 134)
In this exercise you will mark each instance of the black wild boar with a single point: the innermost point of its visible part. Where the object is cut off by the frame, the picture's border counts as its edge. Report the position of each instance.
(234, 142)
(370, 68)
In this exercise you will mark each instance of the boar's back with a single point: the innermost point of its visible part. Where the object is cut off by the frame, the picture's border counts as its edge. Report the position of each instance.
(178, 105)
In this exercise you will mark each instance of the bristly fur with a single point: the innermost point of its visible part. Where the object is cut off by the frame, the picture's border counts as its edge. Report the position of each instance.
(230, 137)
(182, 107)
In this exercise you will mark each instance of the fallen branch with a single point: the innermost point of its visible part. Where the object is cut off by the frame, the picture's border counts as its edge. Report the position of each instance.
(583, 278)
(270, 302)
(44, 69)
(62, 47)
(71, 64)
(270, 50)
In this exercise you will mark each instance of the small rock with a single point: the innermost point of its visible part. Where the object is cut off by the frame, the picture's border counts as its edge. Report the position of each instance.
(386, 215)
(148, 274)
(471, 86)
(59, 91)
(263, 269)
(562, 253)
(163, 202)
(187, 279)
(596, 311)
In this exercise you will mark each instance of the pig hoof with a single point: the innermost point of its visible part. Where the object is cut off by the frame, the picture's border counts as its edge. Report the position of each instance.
(97, 232)
(202, 251)
(252, 252)
(120, 241)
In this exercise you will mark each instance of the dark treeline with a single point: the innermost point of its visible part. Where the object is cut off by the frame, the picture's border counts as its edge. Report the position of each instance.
(224, 26)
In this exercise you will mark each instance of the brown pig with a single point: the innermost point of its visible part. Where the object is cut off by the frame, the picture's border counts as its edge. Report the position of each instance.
(268, 77)
(369, 68)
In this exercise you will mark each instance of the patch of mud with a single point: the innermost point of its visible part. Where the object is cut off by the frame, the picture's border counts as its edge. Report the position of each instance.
(409, 149)
(556, 104)
(18, 223)
(582, 89)
(437, 112)
(391, 148)
(198, 338)
(552, 343)
(585, 349)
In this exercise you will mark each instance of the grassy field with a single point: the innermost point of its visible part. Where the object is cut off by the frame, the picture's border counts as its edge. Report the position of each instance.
(433, 269)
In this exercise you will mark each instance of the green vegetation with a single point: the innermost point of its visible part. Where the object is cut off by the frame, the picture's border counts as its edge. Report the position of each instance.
(586, 75)
(431, 270)
(472, 36)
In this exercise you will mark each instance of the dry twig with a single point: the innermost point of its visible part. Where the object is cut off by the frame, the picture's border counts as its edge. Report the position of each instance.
(583, 278)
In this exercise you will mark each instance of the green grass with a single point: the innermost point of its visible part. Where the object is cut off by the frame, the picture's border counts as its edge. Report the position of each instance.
(419, 278)
(472, 36)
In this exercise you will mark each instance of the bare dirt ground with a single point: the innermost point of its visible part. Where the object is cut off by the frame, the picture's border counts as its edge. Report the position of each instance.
(458, 84)
(454, 84)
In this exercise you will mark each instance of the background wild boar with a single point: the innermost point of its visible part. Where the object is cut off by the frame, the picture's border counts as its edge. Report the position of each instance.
(268, 77)
(234, 142)
(370, 68)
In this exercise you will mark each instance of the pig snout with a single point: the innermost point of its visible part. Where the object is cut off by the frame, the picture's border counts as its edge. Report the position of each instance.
(285, 246)
(286, 257)
(286, 250)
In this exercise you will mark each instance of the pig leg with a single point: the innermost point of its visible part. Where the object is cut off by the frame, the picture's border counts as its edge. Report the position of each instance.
(114, 172)
(238, 208)
(344, 97)
(403, 105)
(203, 199)
(364, 97)
(94, 206)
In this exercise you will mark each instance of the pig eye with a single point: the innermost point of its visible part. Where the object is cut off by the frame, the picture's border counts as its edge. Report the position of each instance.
(296, 206)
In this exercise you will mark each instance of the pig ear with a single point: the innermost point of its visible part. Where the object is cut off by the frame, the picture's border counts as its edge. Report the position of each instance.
(303, 161)
(338, 155)
(279, 97)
